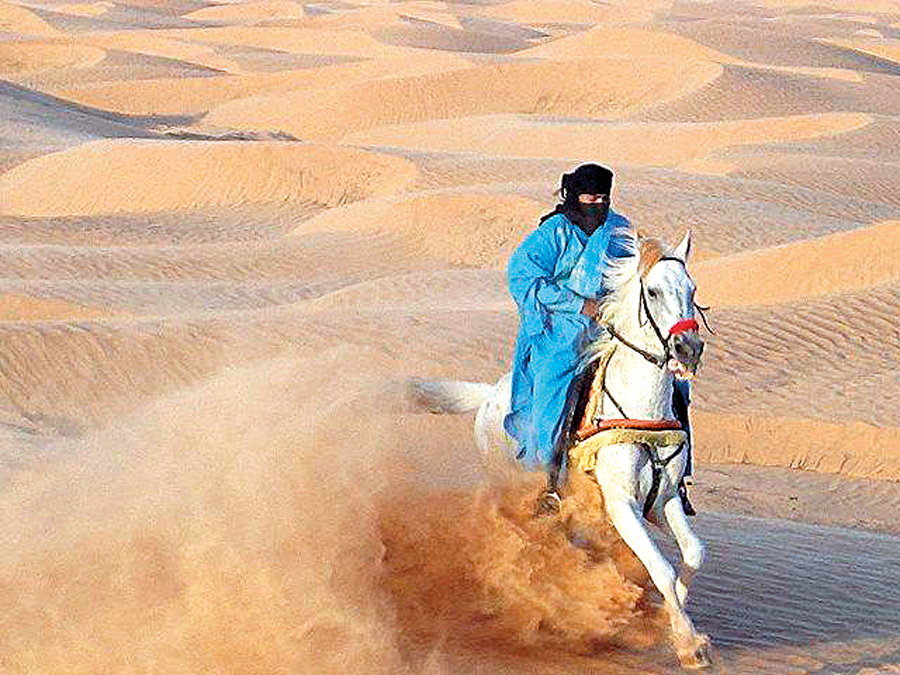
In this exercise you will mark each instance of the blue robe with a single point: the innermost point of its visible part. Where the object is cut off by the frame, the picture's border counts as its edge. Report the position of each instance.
(550, 275)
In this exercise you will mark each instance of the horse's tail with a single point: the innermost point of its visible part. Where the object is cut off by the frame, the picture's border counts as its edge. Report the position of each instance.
(452, 397)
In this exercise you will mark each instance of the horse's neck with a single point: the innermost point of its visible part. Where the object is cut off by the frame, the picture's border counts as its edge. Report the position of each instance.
(643, 390)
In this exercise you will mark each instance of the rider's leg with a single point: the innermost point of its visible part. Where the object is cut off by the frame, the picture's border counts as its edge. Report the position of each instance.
(681, 400)
(554, 381)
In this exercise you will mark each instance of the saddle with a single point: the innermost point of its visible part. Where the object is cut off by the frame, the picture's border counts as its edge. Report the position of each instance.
(591, 434)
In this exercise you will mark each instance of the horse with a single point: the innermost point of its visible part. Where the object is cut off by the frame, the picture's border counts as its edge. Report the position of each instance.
(628, 441)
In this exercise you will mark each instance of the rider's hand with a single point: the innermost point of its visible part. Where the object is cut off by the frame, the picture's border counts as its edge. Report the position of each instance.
(589, 309)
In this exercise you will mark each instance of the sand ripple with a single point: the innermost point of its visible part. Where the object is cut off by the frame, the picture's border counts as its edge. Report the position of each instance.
(231, 231)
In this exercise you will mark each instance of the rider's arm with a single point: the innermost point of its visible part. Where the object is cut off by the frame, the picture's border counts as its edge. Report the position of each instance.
(530, 275)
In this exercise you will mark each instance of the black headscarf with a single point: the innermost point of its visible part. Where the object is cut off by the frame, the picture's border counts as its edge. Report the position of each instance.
(590, 179)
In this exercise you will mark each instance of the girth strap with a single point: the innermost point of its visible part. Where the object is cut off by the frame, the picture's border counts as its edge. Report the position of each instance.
(648, 434)
(657, 465)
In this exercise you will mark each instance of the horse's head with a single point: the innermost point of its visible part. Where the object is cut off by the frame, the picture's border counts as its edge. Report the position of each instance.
(667, 304)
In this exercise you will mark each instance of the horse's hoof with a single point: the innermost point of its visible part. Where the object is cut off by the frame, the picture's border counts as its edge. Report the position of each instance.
(548, 504)
(698, 656)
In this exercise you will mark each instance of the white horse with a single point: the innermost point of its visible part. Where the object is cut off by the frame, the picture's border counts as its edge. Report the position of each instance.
(652, 337)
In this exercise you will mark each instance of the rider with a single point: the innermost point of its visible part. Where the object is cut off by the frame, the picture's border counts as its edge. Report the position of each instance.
(555, 277)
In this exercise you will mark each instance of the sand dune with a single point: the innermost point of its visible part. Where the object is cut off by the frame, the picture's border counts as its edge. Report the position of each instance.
(880, 47)
(15, 307)
(532, 88)
(627, 43)
(463, 228)
(37, 123)
(150, 44)
(139, 175)
(777, 44)
(85, 8)
(28, 58)
(16, 19)
(741, 91)
(296, 40)
(568, 11)
(249, 12)
(373, 16)
(828, 358)
(860, 6)
(231, 231)
(857, 449)
(194, 95)
(423, 291)
(667, 145)
(838, 263)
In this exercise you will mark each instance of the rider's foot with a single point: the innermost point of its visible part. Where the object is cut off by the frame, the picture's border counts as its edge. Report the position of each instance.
(689, 509)
(548, 503)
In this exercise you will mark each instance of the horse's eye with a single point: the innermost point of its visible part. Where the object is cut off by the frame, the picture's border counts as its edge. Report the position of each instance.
(652, 292)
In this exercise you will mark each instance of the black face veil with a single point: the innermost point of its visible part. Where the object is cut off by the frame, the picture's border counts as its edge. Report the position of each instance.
(590, 179)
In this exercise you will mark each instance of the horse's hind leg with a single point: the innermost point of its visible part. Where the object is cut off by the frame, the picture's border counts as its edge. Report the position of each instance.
(626, 518)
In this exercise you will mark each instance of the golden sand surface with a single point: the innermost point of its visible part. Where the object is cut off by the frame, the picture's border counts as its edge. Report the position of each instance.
(230, 231)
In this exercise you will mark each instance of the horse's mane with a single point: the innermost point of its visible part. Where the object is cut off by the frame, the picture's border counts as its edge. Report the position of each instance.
(637, 256)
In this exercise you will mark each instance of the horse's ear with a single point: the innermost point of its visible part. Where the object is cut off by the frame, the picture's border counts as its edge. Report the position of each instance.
(683, 250)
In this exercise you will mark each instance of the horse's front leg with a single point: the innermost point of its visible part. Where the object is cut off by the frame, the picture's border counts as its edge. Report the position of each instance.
(692, 549)
(625, 514)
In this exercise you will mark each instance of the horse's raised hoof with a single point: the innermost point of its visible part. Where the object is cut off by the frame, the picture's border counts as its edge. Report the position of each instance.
(698, 655)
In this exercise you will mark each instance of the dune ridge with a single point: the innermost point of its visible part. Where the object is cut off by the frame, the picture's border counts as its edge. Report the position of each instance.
(136, 175)
(837, 263)
(532, 88)
(17, 19)
(666, 145)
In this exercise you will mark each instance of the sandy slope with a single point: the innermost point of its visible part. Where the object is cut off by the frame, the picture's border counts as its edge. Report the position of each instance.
(667, 145)
(533, 88)
(480, 230)
(568, 11)
(14, 307)
(19, 59)
(231, 231)
(248, 13)
(157, 175)
(849, 261)
(15, 19)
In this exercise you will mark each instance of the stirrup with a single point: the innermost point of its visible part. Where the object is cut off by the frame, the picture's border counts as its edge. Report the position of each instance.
(548, 503)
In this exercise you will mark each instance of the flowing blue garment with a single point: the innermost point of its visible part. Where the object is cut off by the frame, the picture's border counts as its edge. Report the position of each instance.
(550, 275)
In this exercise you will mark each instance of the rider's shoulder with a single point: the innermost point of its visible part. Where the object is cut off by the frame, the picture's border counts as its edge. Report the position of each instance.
(619, 221)
(555, 220)
(555, 225)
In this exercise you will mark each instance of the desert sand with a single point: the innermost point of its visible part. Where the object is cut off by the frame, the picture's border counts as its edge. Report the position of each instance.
(231, 231)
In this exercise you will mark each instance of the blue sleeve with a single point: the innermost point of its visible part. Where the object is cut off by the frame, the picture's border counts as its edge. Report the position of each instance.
(530, 276)
(605, 244)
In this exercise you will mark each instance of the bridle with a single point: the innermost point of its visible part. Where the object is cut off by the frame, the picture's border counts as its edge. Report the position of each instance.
(681, 326)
